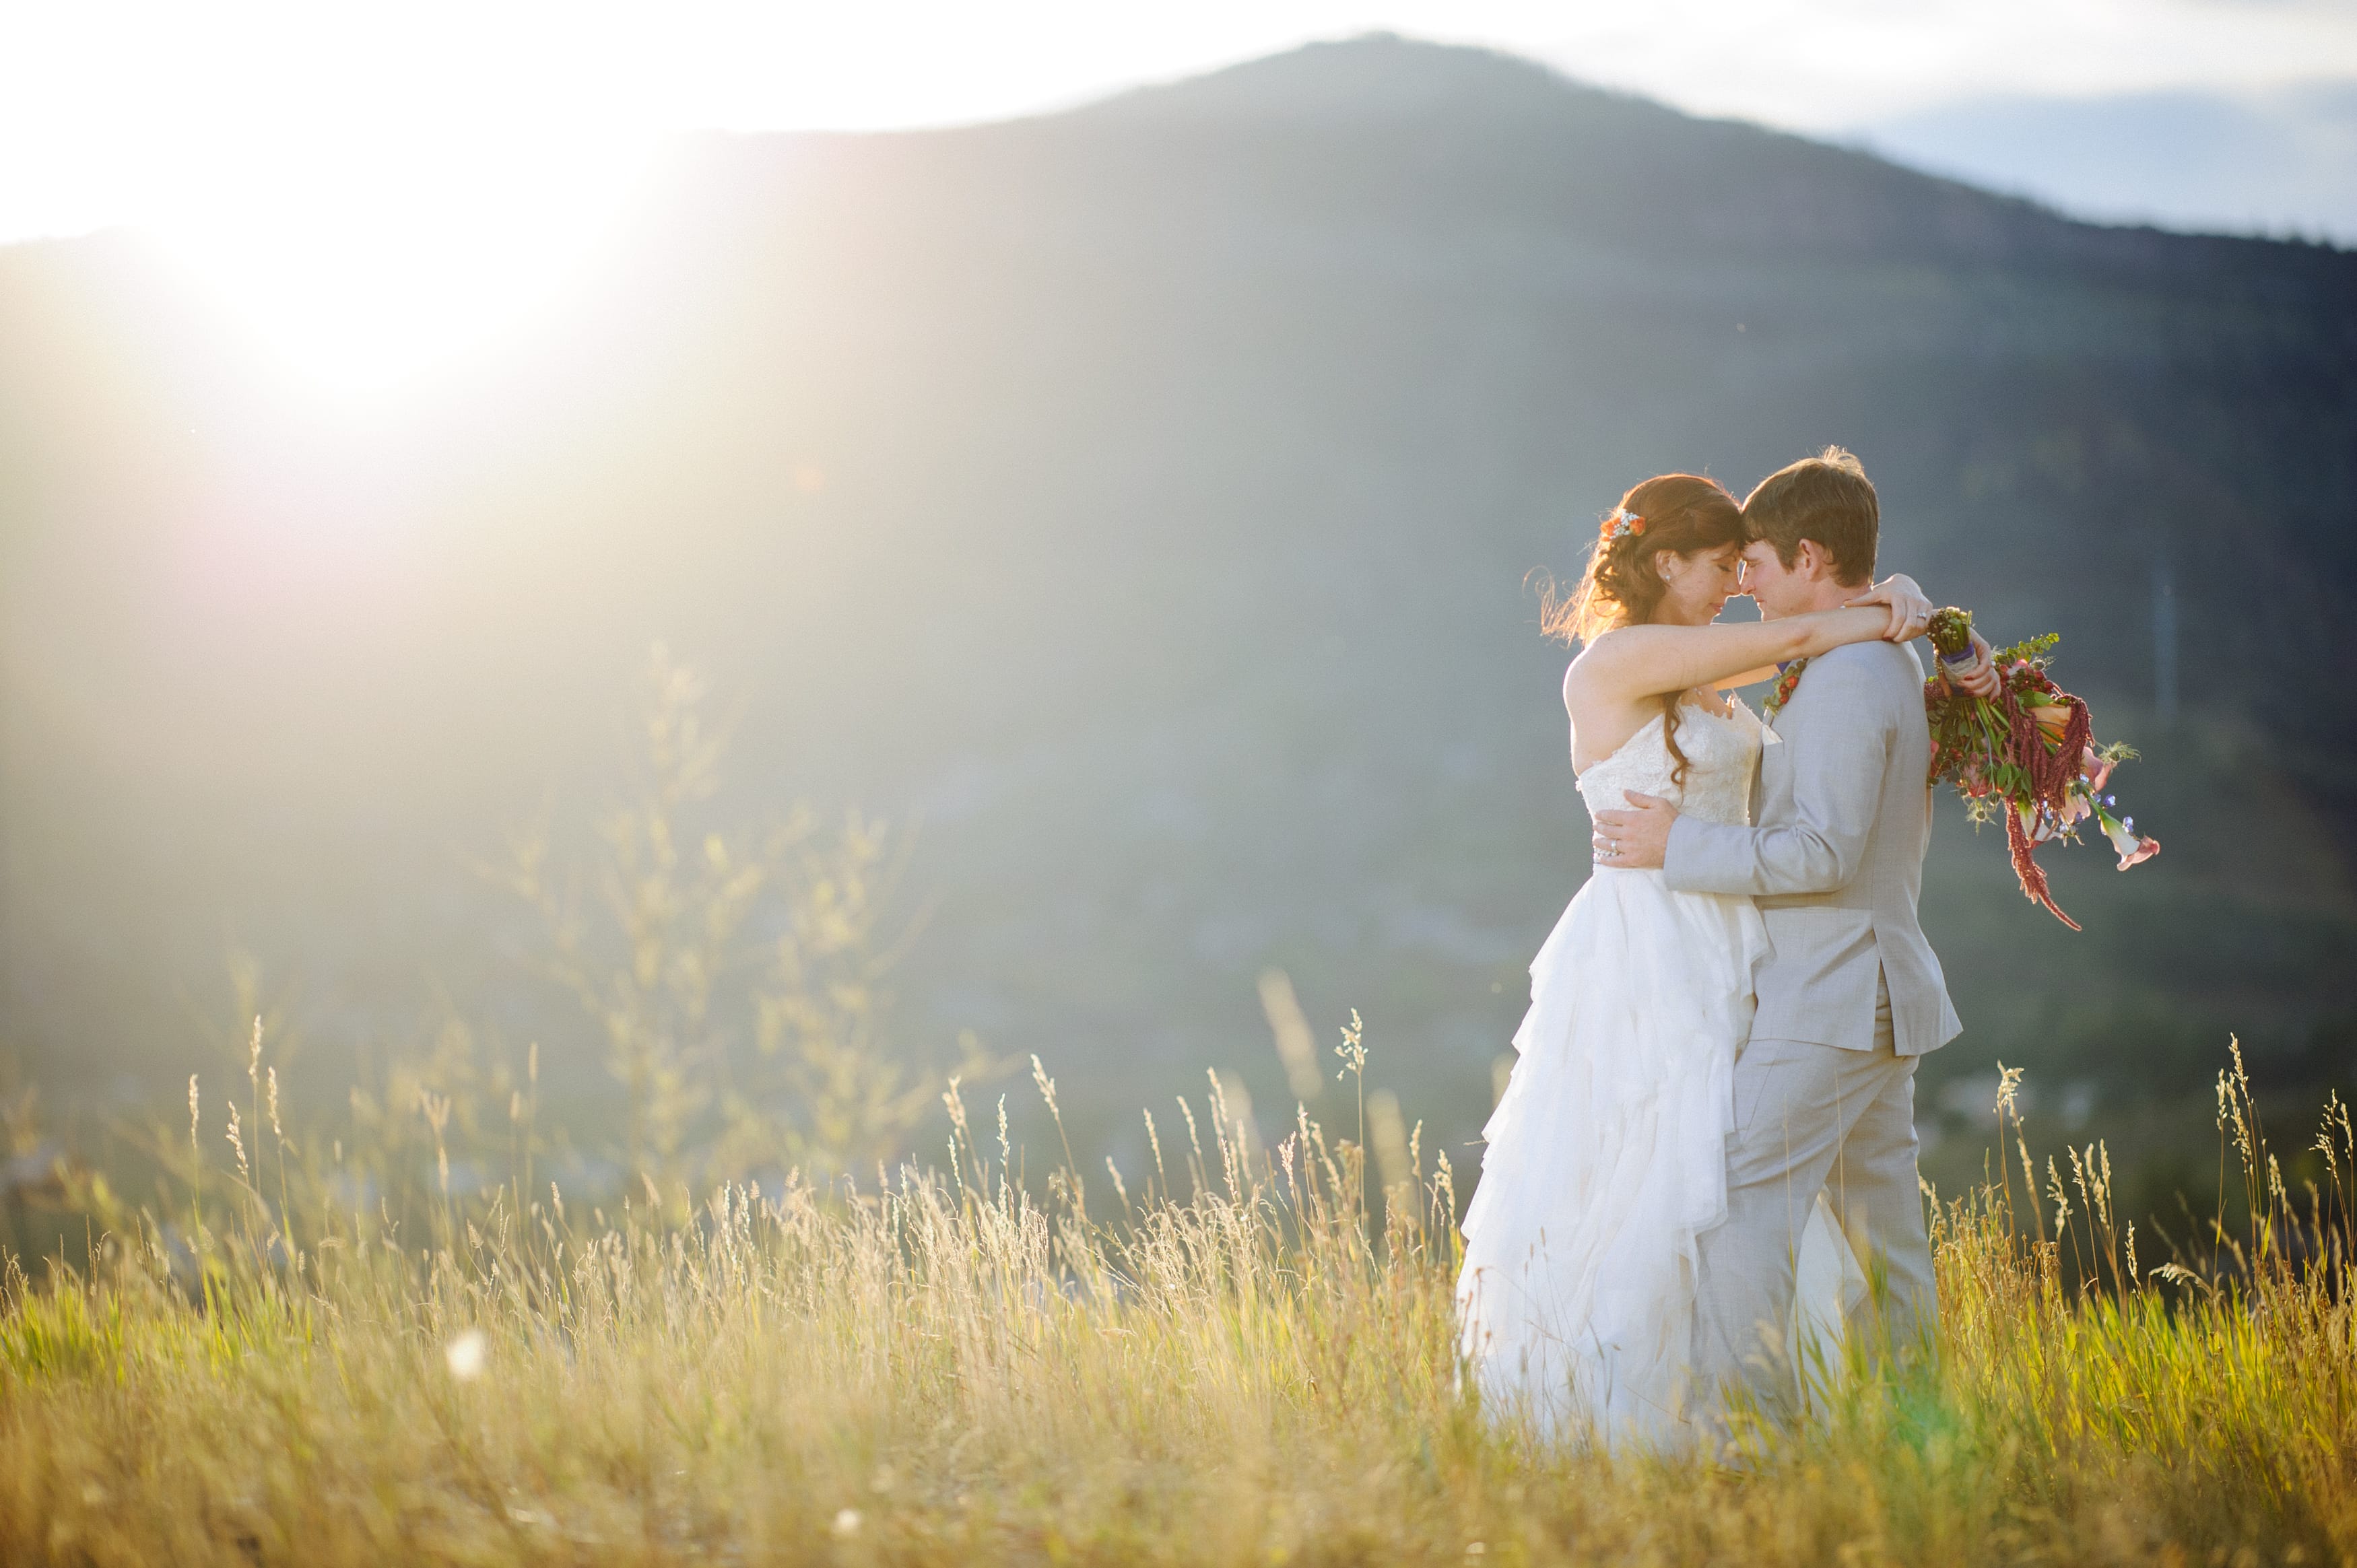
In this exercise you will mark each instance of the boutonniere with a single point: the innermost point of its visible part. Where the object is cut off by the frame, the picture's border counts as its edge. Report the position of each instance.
(1788, 675)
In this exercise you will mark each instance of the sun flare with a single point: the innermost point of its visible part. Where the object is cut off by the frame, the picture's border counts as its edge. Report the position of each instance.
(362, 271)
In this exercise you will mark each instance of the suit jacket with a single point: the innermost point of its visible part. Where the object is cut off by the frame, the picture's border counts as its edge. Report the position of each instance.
(1835, 861)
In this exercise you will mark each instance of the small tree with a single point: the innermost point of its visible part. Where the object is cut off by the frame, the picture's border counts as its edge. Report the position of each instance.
(736, 976)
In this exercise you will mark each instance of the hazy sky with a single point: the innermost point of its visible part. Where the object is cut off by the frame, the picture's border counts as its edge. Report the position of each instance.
(282, 146)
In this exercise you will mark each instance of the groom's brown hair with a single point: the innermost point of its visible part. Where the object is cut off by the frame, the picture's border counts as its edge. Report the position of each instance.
(1827, 498)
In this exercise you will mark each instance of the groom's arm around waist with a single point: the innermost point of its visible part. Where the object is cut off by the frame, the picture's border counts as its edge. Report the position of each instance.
(1837, 729)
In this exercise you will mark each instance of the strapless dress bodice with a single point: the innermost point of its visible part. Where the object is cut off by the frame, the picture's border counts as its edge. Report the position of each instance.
(1721, 752)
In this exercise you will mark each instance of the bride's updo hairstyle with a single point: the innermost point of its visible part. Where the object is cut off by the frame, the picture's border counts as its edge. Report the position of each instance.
(1683, 514)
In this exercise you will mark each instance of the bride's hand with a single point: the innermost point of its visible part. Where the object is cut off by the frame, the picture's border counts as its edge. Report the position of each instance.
(1980, 677)
(1910, 612)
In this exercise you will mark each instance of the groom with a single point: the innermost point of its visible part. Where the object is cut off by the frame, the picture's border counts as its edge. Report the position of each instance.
(1852, 995)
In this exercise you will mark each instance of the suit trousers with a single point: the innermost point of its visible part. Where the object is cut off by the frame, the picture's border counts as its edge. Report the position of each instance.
(1812, 1118)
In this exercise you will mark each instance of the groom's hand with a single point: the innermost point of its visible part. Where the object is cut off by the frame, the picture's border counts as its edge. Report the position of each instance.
(1637, 839)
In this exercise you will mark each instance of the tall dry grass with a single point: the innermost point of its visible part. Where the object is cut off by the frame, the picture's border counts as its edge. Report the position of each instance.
(1231, 1357)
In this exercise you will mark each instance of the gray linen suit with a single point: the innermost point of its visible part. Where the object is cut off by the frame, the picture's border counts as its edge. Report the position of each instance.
(1848, 1000)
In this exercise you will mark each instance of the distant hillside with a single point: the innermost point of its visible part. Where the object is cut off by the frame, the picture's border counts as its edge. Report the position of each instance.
(2281, 162)
(1144, 497)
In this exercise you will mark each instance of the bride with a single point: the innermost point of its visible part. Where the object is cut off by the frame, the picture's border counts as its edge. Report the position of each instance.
(1605, 1155)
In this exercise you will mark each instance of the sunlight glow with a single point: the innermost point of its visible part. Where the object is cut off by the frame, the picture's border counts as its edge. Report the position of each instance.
(360, 268)
(372, 193)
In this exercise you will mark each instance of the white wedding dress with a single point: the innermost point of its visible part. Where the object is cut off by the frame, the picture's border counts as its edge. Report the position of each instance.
(1606, 1154)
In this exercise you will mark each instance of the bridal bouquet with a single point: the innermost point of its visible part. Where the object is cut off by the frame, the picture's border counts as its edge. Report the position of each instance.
(2029, 754)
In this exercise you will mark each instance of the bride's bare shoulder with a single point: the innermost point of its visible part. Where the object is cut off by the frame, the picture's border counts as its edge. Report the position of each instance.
(1608, 653)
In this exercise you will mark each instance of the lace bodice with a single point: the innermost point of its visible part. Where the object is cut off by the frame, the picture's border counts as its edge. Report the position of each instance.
(1721, 754)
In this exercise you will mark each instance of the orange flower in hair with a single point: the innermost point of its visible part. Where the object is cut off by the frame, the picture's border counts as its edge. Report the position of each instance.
(1620, 521)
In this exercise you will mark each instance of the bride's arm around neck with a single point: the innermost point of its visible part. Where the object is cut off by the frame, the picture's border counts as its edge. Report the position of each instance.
(1631, 663)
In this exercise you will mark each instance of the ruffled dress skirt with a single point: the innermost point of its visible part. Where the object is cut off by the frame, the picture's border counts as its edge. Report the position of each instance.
(1605, 1159)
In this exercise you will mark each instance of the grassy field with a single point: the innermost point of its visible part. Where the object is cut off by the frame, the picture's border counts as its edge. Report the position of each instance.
(1231, 1358)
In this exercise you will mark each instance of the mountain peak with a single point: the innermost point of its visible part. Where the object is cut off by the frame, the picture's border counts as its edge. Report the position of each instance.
(1371, 77)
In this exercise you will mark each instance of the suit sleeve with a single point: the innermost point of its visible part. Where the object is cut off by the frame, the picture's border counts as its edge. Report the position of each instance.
(1839, 725)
